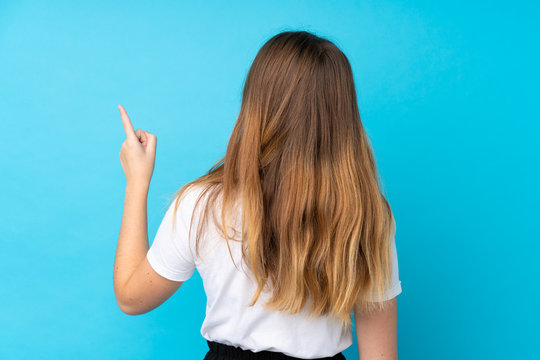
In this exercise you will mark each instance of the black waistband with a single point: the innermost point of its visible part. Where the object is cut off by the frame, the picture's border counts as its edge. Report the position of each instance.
(241, 354)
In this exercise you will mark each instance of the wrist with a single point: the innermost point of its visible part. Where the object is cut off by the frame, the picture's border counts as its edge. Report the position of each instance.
(137, 186)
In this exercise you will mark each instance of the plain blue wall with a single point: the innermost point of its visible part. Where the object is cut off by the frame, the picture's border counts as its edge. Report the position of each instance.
(446, 94)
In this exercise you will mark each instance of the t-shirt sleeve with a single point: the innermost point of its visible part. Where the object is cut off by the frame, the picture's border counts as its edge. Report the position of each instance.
(170, 254)
(395, 283)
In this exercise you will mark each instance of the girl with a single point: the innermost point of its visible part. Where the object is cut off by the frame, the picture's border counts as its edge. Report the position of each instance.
(289, 230)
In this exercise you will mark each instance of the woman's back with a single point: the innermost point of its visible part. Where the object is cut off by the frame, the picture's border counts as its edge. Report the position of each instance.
(229, 288)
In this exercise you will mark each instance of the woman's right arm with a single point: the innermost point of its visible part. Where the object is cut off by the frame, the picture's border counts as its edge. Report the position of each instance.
(376, 334)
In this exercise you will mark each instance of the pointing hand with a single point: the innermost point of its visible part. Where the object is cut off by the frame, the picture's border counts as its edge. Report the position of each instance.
(138, 153)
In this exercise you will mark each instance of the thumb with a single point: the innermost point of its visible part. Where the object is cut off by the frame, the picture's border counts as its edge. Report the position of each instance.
(141, 135)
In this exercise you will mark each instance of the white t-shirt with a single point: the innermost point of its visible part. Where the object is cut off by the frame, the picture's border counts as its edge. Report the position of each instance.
(228, 290)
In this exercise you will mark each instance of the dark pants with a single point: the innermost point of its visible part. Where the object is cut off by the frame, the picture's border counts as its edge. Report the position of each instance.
(220, 351)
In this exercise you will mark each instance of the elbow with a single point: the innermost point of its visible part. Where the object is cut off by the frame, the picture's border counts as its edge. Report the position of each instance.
(130, 307)
(128, 310)
(126, 305)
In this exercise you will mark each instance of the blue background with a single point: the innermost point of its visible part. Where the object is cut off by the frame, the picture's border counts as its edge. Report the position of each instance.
(446, 92)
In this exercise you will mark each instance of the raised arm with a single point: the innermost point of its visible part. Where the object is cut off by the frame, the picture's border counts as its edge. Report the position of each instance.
(376, 334)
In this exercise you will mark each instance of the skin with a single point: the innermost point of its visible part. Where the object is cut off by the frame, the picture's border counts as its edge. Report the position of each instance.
(137, 287)
(376, 334)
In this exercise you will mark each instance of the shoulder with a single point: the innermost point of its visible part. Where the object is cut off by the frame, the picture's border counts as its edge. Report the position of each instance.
(192, 196)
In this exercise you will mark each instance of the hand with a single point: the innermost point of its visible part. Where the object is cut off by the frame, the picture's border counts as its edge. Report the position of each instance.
(138, 153)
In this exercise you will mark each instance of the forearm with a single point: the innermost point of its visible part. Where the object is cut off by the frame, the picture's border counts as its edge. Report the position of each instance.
(133, 239)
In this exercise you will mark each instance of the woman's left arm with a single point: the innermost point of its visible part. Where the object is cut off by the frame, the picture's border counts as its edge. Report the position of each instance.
(137, 287)
(133, 239)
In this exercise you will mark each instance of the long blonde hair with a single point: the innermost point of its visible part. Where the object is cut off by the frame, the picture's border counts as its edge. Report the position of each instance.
(314, 220)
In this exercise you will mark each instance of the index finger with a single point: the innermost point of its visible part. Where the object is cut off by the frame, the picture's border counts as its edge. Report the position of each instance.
(130, 132)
